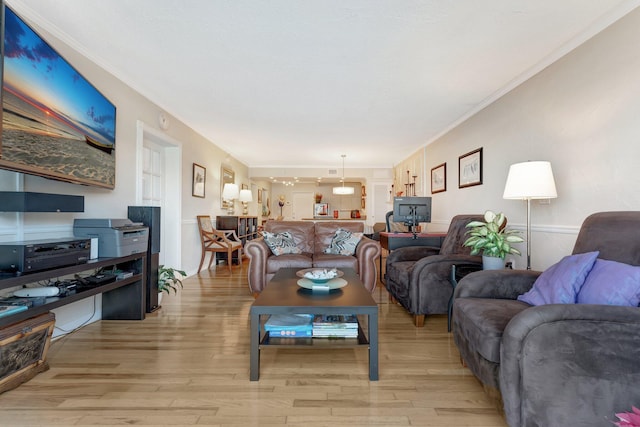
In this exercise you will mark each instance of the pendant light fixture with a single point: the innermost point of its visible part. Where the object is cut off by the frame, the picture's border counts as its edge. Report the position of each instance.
(342, 191)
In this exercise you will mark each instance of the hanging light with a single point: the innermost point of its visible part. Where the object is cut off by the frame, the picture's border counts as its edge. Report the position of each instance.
(343, 190)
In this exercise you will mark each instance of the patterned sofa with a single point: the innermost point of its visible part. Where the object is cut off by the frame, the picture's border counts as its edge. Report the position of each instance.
(311, 240)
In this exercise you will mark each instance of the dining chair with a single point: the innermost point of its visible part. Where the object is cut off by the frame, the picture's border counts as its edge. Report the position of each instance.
(214, 241)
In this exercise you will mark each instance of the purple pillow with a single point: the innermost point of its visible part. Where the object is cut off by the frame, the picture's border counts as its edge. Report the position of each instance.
(611, 283)
(560, 283)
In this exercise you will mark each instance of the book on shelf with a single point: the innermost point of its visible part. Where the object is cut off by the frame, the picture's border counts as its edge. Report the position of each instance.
(335, 321)
(344, 326)
(291, 333)
(335, 333)
(289, 325)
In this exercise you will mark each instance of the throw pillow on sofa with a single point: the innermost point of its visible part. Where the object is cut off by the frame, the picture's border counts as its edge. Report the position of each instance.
(611, 283)
(560, 283)
(281, 243)
(344, 242)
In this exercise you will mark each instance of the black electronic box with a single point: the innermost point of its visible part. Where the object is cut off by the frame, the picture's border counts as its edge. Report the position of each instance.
(38, 255)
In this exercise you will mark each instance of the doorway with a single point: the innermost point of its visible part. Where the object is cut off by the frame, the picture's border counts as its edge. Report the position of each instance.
(382, 201)
(158, 178)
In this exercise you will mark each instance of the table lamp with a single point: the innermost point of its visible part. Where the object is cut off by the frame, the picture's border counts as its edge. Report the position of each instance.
(230, 192)
(245, 198)
(529, 181)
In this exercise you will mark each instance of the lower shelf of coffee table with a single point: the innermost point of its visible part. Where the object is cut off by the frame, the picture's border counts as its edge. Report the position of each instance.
(332, 342)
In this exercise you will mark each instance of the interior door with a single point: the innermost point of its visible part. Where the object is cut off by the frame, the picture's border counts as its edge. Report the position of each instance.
(302, 205)
(381, 202)
(159, 177)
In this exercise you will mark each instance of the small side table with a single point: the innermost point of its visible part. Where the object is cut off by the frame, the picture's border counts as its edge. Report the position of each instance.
(458, 271)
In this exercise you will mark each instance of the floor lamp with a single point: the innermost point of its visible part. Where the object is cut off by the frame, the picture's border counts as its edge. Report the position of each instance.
(529, 181)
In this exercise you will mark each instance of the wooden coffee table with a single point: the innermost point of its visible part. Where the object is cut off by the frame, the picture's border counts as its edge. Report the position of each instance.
(282, 295)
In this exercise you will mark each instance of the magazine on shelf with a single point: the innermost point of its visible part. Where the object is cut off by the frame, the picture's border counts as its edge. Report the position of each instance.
(289, 325)
(335, 321)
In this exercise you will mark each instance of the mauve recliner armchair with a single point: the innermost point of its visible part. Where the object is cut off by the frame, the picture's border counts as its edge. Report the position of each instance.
(417, 277)
(555, 364)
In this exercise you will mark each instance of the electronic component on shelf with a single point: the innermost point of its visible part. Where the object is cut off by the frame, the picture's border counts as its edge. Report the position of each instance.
(67, 287)
(43, 291)
(27, 302)
(6, 310)
(37, 255)
(101, 278)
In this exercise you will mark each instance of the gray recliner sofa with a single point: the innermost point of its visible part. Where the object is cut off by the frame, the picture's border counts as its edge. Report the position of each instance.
(555, 364)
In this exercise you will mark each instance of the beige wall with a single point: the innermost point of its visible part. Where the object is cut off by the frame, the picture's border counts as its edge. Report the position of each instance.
(344, 204)
(581, 114)
(131, 109)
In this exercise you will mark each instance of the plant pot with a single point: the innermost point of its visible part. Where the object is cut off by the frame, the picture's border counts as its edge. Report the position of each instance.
(160, 298)
(492, 263)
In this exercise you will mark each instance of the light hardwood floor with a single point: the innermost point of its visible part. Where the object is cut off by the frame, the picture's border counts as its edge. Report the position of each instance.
(188, 364)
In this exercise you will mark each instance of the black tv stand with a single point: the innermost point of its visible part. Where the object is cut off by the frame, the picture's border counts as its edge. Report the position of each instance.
(121, 299)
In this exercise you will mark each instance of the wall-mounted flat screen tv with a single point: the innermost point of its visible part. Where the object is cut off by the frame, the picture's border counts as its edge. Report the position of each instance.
(54, 122)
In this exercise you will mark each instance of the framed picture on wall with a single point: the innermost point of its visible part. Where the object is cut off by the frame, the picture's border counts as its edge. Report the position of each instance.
(439, 178)
(199, 180)
(227, 176)
(470, 169)
(259, 196)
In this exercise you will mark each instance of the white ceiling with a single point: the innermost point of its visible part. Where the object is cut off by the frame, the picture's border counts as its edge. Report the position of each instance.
(297, 83)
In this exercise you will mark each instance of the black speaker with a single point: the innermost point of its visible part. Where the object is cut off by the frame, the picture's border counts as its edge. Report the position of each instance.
(24, 201)
(150, 216)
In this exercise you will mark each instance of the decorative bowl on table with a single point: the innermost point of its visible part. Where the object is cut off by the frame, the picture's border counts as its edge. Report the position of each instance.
(319, 275)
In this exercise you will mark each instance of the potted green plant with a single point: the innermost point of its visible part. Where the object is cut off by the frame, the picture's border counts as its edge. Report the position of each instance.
(492, 239)
(169, 279)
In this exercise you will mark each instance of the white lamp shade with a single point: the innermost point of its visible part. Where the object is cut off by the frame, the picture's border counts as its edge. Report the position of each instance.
(343, 191)
(230, 192)
(246, 196)
(530, 180)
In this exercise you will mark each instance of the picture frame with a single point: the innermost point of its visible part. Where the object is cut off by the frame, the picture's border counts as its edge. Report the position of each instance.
(199, 181)
(470, 169)
(439, 178)
(227, 176)
(259, 196)
(320, 209)
(267, 206)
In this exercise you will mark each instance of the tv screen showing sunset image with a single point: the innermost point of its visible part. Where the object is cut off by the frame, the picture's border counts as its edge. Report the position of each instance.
(55, 123)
